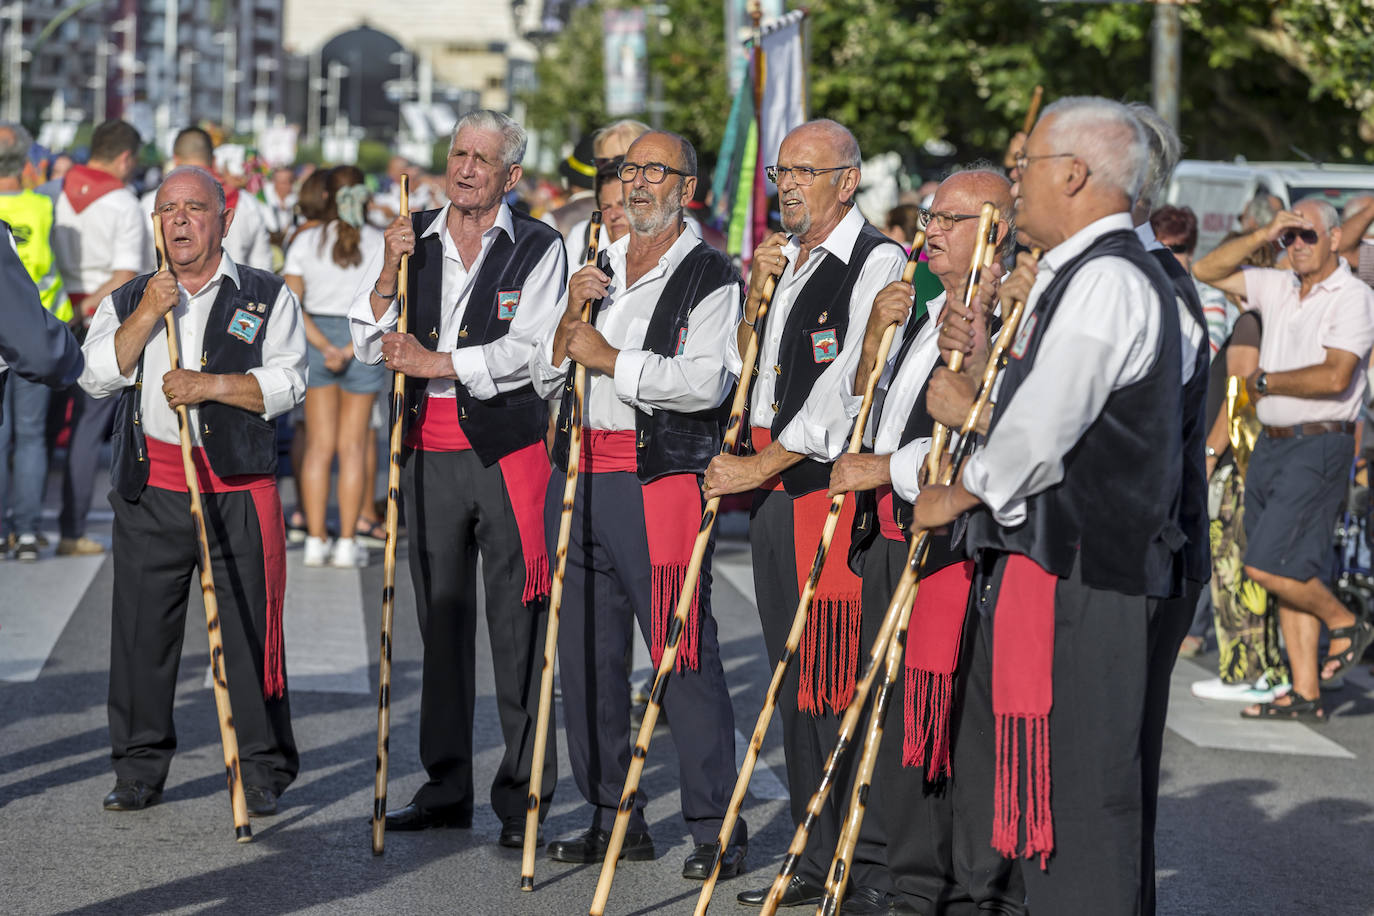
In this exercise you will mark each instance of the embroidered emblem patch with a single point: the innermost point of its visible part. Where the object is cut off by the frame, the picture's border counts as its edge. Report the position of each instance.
(506, 301)
(825, 346)
(245, 325)
(1018, 347)
(681, 342)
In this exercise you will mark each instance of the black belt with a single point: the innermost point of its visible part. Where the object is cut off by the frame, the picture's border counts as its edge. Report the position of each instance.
(1297, 431)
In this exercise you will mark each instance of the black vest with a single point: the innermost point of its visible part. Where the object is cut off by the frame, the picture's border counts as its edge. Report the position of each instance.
(816, 327)
(236, 441)
(511, 420)
(668, 442)
(1116, 512)
(1197, 553)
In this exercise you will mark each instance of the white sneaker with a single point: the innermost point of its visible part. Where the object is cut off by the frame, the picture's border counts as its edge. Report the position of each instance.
(348, 554)
(1258, 692)
(316, 551)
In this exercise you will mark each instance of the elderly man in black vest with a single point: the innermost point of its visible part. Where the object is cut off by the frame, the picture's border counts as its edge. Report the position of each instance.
(911, 784)
(241, 332)
(1075, 525)
(664, 303)
(485, 281)
(830, 265)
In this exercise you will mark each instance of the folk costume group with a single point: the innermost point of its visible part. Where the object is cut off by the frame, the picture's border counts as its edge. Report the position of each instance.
(1057, 588)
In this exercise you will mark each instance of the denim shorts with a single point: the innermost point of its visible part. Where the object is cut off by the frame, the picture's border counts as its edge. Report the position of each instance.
(356, 377)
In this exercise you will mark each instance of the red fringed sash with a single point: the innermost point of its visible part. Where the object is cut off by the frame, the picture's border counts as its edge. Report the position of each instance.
(525, 473)
(674, 505)
(1022, 694)
(932, 652)
(829, 653)
(166, 472)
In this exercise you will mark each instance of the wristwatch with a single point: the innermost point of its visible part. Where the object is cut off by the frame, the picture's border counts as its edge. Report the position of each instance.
(1262, 383)
(1211, 452)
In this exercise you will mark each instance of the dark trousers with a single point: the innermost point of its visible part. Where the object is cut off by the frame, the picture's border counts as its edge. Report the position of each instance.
(918, 818)
(155, 560)
(808, 740)
(606, 588)
(1097, 721)
(91, 420)
(456, 509)
(1168, 625)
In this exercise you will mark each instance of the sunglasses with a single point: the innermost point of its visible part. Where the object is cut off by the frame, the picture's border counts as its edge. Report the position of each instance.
(1308, 236)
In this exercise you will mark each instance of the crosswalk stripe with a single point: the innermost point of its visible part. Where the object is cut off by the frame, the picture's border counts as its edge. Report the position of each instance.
(35, 604)
(326, 639)
(1217, 723)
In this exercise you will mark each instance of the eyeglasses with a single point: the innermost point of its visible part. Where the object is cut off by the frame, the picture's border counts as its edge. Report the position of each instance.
(802, 175)
(654, 172)
(944, 220)
(1308, 236)
(1022, 160)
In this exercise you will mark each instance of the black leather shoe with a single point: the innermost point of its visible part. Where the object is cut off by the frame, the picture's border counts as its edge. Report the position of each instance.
(414, 817)
(698, 865)
(262, 801)
(591, 845)
(864, 900)
(513, 834)
(797, 893)
(131, 795)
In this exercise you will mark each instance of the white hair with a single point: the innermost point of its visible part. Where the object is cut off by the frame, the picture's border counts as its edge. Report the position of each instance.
(1165, 151)
(1325, 211)
(513, 136)
(1106, 136)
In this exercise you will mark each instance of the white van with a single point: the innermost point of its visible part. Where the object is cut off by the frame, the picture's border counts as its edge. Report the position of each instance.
(1218, 191)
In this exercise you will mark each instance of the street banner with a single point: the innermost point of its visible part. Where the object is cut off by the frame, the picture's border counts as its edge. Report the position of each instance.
(625, 52)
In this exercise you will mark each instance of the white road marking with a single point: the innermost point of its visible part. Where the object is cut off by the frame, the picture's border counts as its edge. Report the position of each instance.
(35, 604)
(1217, 724)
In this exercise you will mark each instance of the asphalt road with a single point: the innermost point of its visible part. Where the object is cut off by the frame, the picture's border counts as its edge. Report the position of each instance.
(1272, 819)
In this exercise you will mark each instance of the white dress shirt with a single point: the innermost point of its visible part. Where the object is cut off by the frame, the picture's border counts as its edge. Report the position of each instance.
(898, 401)
(281, 375)
(821, 428)
(1104, 337)
(112, 233)
(695, 379)
(493, 368)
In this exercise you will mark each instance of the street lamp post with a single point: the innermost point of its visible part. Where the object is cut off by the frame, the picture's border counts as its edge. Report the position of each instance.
(14, 56)
(188, 59)
(314, 85)
(262, 92)
(167, 83)
(228, 96)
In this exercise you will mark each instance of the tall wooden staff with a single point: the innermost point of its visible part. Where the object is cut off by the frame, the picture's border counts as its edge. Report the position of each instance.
(556, 593)
(898, 611)
(393, 490)
(984, 250)
(1034, 111)
(684, 604)
(858, 804)
(228, 736)
(794, 635)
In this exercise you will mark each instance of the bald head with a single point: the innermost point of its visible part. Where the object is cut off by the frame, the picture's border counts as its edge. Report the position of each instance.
(952, 231)
(207, 185)
(836, 137)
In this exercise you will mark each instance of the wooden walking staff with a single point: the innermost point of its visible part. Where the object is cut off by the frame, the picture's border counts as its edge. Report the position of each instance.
(1034, 111)
(556, 593)
(794, 635)
(228, 736)
(984, 250)
(896, 653)
(393, 491)
(898, 611)
(684, 604)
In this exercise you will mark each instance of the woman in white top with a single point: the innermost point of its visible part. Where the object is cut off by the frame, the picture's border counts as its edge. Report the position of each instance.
(324, 268)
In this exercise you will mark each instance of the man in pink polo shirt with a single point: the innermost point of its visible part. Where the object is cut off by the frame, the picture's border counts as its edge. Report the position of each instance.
(1318, 323)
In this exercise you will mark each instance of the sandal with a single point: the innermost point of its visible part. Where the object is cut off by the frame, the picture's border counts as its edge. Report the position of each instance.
(1297, 709)
(1361, 634)
(370, 534)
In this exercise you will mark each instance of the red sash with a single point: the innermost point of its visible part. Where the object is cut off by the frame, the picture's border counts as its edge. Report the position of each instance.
(932, 651)
(1022, 694)
(829, 651)
(887, 523)
(84, 185)
(525, 473)
(166, 471)
(674, 504)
